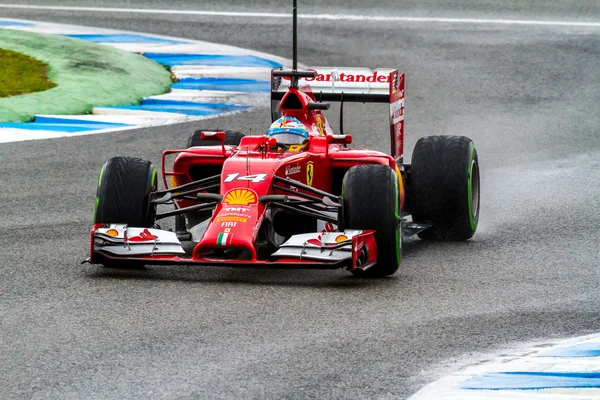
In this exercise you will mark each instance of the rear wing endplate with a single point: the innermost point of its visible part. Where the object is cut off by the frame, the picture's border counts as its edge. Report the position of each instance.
(357, 85)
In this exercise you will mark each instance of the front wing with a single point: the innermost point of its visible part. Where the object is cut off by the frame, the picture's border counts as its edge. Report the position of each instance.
(351, 249)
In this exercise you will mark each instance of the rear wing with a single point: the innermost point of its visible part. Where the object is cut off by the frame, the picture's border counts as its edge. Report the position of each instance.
(357, 85)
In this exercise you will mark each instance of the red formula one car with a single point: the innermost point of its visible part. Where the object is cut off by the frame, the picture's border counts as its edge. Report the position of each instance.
(260, 201)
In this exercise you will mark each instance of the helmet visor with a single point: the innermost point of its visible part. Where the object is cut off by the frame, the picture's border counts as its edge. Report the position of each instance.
(289, 138)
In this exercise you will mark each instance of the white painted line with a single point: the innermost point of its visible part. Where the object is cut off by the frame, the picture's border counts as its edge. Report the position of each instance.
(192, 46)
(328, 17)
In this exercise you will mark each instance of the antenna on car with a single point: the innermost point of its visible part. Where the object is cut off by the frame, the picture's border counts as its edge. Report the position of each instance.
(342, 113)
(295, 37)
(294, 77)
(294, 74)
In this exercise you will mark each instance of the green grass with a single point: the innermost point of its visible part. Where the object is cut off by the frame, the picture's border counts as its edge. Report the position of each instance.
(21, 74)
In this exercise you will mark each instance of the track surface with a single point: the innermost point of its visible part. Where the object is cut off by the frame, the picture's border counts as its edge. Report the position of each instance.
(528, 96)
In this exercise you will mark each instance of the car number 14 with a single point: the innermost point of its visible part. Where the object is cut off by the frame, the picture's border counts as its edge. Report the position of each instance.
(252, 178)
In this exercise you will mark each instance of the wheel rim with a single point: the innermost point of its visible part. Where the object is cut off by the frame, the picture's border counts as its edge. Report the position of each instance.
(473, 193)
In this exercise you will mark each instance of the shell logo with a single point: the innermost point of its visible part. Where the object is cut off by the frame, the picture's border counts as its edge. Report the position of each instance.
(112, 232)
(240, 197)
(341, 238)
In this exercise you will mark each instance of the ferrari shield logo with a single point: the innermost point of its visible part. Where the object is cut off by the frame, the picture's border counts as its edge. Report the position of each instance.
(309, 173)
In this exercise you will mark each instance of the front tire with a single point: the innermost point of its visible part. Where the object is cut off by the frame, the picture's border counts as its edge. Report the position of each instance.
(123, 196)
(444, 187)
(371, 202)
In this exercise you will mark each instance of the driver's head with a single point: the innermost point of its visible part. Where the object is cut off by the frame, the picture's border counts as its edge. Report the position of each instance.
(288, 131)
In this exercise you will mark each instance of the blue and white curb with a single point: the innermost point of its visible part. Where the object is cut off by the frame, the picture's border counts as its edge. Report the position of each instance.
(213, 80)
(565, 370)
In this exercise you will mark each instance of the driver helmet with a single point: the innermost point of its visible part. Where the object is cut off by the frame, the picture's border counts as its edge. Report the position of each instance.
(288, 131)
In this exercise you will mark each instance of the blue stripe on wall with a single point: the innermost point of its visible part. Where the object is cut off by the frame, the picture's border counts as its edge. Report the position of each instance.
(223, 84)
(62, 125)
(533, 381)
(578, 350)
(212, 60)
(13, 23)
(183, 107)
(124, 38)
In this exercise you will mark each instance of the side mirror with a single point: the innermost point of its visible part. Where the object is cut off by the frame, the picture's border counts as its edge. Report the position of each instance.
(213, 136)
(339, 139)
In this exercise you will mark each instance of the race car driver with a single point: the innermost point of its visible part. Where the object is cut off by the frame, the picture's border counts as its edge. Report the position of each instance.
(290, 133)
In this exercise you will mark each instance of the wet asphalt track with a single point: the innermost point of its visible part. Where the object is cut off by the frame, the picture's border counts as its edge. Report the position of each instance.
(528, 96)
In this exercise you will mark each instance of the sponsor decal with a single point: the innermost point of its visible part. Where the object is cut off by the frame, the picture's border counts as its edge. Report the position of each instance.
(398, 130)
(317, 241)
(257, 226)
(397, 109)
(145, 236)
(397, 86)
(374, 77)
(341, 238)
(236, 210)
(112, 232)
(252, 178)
(240, 197)
(232, 219)
(289, 170)
(228, 224)
(346, 77)
(283, 122)
(224, 239)
(309, 173)
(241, 212)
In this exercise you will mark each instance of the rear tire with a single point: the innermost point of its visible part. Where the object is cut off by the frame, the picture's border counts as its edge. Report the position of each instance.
(232, 138)
(444, 187)
(123, 197)
(371, 201)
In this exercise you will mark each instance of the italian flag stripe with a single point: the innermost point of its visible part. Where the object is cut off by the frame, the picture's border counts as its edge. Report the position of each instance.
(222, 239)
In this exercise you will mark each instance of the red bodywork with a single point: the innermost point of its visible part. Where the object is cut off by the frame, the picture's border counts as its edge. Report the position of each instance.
(247, 173)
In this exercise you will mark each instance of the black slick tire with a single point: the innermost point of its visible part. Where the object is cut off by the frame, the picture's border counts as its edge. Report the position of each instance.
(444, 187)
(123, 196)
(370, 194)
(232, 138)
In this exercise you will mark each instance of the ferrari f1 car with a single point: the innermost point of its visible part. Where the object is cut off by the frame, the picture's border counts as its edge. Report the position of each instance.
(252, 201)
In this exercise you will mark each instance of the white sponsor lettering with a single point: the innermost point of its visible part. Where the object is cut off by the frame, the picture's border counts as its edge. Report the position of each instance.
(252, 178)
(349, 77)
(319, 17)
(397, 111)
(292, 170)
(236, 209)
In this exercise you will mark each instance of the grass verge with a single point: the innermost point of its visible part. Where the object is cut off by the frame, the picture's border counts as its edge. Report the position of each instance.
(22, 74)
